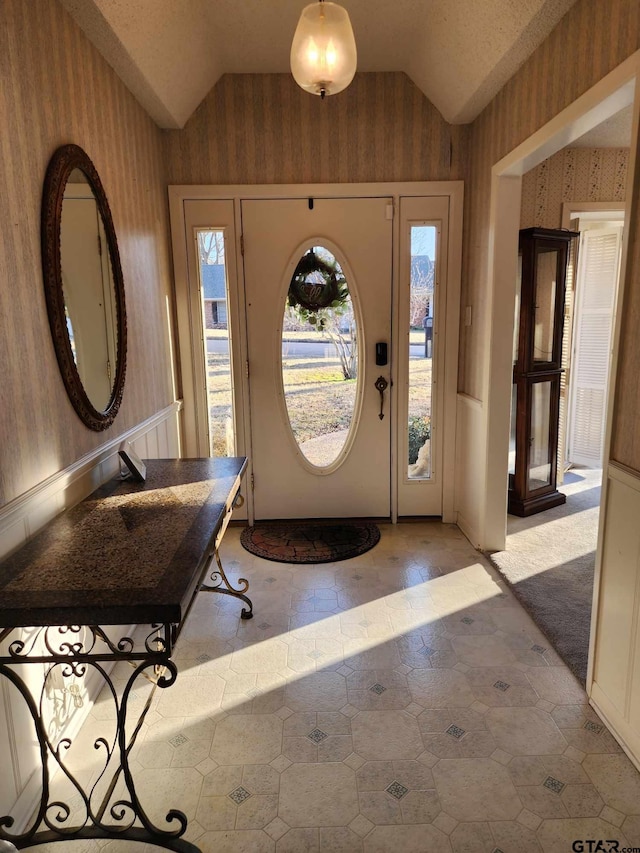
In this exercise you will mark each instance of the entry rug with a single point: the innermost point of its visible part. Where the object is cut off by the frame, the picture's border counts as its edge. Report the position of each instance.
(309, 541)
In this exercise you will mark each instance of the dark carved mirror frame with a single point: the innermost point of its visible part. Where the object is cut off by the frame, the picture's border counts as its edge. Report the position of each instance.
(64, 161)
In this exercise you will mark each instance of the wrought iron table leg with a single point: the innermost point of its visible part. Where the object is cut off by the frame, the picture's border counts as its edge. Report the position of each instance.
(66, 654)
(220, 583)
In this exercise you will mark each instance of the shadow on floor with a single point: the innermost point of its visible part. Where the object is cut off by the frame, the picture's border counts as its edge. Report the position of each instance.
(549, 562)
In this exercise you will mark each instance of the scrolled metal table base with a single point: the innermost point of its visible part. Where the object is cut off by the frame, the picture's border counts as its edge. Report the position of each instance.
(220, 583)
(98, 809)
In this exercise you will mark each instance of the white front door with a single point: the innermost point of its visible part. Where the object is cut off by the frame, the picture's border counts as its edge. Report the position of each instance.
(292, 477)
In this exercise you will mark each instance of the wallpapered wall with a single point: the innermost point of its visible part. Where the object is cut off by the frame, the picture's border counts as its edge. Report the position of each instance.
(262, 128)
(573, 174)
(56, 89)
(592, 39)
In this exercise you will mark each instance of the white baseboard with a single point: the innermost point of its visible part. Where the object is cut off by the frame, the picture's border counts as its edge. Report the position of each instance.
(628, 739)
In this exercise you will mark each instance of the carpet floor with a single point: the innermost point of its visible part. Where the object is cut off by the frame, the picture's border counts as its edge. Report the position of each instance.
(550, 561)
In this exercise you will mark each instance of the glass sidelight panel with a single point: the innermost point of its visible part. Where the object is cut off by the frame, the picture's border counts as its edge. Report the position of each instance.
(420, 350)
(540, 453)
(217, 350)
(320, 357)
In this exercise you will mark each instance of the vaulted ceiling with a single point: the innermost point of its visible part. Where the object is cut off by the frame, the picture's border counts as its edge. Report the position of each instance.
(170, 53)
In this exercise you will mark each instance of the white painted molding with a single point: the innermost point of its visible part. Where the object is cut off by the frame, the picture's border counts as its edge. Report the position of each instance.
(627, 476)
(472, 402)
(614, 660)
(469, 482)
(627, 737)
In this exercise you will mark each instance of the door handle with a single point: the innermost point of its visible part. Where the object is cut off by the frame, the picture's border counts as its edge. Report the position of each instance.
(381, 385)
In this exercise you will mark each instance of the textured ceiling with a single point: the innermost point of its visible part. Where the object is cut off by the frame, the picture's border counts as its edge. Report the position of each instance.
(170, 53)
(613, 133)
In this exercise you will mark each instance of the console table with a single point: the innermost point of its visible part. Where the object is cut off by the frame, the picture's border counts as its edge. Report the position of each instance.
(131, 554)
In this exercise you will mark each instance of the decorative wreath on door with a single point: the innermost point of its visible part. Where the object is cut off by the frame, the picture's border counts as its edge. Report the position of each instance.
(315, 283)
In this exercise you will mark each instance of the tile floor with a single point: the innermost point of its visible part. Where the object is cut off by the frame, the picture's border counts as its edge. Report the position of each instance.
(402, 700)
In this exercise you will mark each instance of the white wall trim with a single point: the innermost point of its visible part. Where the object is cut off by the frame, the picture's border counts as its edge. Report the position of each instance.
(570, 209)
(624, 475)
(469, 400)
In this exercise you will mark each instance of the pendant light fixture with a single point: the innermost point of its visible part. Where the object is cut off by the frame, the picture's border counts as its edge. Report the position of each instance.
(323, 51)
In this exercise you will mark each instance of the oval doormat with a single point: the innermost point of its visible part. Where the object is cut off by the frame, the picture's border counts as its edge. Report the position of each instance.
(309, 542)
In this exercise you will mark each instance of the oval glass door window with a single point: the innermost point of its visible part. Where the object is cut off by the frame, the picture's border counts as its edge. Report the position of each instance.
(320, 357)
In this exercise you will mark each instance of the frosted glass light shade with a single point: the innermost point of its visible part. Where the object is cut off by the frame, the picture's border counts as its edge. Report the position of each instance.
(323, 51)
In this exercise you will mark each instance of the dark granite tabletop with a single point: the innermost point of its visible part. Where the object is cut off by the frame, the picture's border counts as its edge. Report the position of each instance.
(130, 553)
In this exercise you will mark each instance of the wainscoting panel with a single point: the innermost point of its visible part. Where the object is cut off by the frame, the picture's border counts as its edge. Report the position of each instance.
(615, 689)
(470, 463)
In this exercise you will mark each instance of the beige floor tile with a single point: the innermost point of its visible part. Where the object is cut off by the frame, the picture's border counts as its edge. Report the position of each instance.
(534, 769)
(503, 685)
(525, 731)
(513, 836)
(472, 838)
(557, 685)
(557, 835)
(268, 656)
(483, 650)
(318, 795)
(582, 801)
(299, 841)
(339, 839)
(156, 789)
(247, 739)
(631, 829)
(191, 696)
(380, 808)
(476, 789)
(257, 841)
(323, 691)
(617, 781)
(409, 839)
(440, 688)
(386, 734)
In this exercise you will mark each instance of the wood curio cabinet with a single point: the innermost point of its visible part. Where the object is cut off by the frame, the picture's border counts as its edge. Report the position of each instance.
(537, 368)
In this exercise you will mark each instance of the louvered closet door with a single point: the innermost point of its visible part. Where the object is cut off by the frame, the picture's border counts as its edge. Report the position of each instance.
(597, 282)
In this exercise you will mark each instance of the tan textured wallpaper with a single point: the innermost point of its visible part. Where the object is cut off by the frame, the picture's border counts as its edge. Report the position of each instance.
(55, 88)
(262, 128)
(591, 40)
(573, 174)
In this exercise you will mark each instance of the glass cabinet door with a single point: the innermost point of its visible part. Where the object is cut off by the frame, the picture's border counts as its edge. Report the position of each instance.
(545, 299)
(540, 455)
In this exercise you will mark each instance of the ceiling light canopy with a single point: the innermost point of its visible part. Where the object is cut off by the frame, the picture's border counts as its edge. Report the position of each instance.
(323, 51)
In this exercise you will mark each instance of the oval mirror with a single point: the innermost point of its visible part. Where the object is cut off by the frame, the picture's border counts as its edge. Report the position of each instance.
(84, 287)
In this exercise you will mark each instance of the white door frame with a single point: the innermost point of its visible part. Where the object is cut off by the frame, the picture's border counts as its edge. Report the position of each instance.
(607, 97)
(178, 195)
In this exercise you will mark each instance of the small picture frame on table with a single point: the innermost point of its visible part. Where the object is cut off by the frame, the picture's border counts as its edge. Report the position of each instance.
(137, 468)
